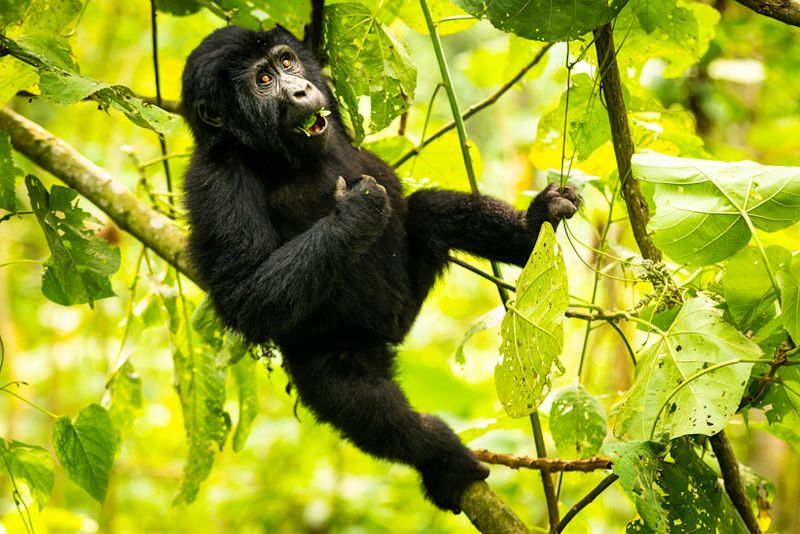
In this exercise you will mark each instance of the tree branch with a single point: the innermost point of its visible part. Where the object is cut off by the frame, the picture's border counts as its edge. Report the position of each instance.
(550, 465)
(729, 467)
(611, 85)
(488, 513)
(787, 11)
(153, 229)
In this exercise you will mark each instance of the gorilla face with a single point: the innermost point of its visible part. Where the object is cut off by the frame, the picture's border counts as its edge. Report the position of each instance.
(262, 89)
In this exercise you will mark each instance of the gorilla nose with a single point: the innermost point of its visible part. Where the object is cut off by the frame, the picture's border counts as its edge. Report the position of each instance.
(299, 93)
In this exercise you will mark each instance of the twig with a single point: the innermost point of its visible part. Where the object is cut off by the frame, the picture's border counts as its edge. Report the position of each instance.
(483, 104)
(583, 503)
(611, 85)
(549, 465)
(497, 281)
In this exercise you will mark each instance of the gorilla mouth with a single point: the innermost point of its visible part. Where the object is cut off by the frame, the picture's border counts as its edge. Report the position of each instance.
(315, 124)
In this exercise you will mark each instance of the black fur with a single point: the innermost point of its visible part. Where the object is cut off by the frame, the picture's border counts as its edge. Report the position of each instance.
(334, 270)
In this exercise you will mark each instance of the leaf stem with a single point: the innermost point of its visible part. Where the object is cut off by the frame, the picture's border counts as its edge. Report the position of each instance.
(17, 262)
(5, 389)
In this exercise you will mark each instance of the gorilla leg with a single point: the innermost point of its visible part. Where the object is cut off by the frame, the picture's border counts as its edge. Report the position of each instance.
(440, 220)
(354, 392)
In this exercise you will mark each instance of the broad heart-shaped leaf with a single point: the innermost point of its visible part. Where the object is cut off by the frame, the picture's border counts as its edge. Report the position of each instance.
(7, 174)
(703, 206)
(678, 496)
(578, 423)
(32, 465)
(367, 60)
(544, 20)
(201, 389)
(532, 333)
(81, 263)
(86, 449)
(697, 339)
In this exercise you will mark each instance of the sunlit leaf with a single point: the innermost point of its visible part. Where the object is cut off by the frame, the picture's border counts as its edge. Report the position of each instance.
(440, 164)
(532, 333)
(244, 374)
(262, 14)
(697, 339)
(367, 62)
(490, 319)
(124, 396)
(201, 389)
(544, 20)
(703, 207)
(578, 423)
(61, 82)
(79, 268)
(32, 465)
(14, 77)
(86, 449)
(412, 16)
(179, 7)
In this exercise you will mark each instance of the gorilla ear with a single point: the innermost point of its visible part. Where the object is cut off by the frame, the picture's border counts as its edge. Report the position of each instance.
(208, 115)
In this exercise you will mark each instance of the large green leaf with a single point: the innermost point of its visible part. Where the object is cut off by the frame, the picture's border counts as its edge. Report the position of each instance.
(545, 20)
(367, 61)
(201, 388)
(79, 268)
(747, 285)
(781, 405)
(32, 465)
(678, 496)
(670, 384)
(578, 423)
(86, 449)
(532, 333)
(705, 209)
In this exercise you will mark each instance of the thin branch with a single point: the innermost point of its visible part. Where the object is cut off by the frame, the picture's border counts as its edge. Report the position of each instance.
(313, 31)
(611, 85)
(497, 281)
(583, 503)
(548, 465)
(786, 11)
(153, 229)
(729, 466)
(475, 108)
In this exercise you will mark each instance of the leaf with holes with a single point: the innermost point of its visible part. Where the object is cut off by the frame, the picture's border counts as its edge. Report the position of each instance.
(681, 494)
(79, 268)
(31, 465)
(707, 210)
(545, 20)
(369, 65)
(7, 174)
(578, 423)
(532, 333)
(671, 395)
(86, 449)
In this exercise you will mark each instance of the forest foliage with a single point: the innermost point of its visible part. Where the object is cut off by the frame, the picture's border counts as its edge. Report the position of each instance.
(603, 351)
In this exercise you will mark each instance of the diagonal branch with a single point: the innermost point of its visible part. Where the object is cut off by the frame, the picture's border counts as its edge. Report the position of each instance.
(787, 11)
(153, 229)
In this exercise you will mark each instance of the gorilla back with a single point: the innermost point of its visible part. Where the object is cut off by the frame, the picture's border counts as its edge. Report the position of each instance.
(307, 241)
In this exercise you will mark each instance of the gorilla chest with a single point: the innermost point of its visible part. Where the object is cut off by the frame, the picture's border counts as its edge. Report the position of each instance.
(294, 208)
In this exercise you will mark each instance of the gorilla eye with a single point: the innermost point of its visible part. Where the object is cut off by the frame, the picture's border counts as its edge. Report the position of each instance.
(287, 63)
(265, 78)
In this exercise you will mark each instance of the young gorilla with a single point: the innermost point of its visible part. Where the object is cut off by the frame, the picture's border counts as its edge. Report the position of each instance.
(307, 241)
